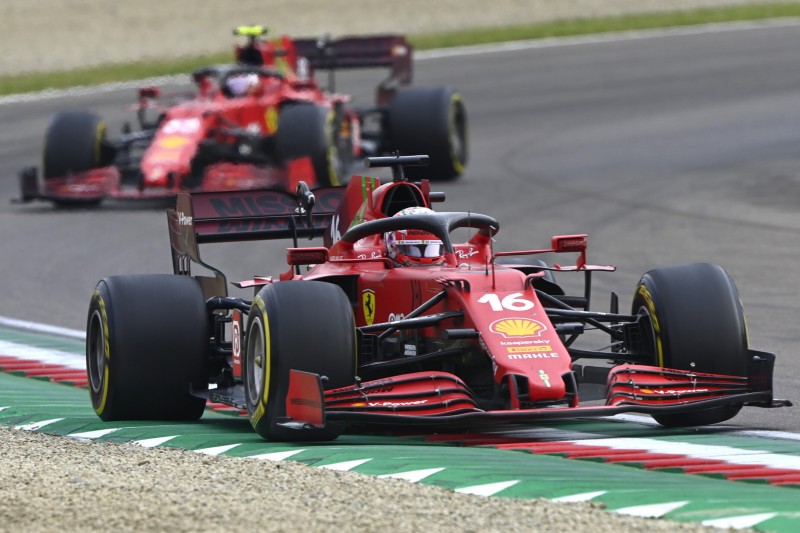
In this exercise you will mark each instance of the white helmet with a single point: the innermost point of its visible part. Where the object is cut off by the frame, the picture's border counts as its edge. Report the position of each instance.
(414, 247)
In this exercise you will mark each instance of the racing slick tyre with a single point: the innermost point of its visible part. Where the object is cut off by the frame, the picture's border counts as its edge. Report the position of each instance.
(73, 143)
(697, 323)
(432, 121)
(300, 325)
(146, 343)
(309, 130)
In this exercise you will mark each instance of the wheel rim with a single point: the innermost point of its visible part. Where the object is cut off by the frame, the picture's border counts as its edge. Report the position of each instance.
(96, 353)
(255, 361)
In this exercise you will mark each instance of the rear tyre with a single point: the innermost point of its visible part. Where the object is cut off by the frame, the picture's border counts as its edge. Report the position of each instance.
(697, 323)
(527, 265)
(547, 283)
(432, 121)
(307, 130)
(146, 338)
(302, 325)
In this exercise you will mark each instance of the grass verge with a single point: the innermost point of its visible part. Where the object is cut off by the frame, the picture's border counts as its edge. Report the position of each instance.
(134, 71)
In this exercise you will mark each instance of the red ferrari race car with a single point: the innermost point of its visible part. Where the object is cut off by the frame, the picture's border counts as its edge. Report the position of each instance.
(394, 326)
(264, 122)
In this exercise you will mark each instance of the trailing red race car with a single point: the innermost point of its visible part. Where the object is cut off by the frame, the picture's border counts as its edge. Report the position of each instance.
(393, 325)
(264, 122)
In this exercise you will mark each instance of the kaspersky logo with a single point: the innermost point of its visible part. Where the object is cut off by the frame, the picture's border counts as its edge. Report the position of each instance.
(511, 328)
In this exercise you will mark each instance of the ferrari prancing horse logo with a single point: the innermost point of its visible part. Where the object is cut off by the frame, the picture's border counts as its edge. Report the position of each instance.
(368, 305)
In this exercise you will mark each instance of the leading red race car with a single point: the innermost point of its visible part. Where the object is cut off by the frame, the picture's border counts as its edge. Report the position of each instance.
(393, 324)
(264, 122)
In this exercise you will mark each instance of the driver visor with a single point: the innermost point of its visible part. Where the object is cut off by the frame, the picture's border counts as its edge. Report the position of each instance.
(420, 248)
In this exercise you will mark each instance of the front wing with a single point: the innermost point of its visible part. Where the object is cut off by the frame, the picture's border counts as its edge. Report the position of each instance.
(442, 401)
(106, 182)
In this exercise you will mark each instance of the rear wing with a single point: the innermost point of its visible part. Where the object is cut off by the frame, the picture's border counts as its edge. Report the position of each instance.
(371, 51)
(232, 216)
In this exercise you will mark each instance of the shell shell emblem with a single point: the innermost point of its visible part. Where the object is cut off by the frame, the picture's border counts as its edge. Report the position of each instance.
(517, 327)
(173, 142)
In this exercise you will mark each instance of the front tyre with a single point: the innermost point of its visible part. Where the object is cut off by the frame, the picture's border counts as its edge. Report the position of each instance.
(146, 344)
(73, 143)
(697, 323)
(296, 325)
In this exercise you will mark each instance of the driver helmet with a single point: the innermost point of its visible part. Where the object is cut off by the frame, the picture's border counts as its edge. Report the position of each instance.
(414, 247)
(242, 84)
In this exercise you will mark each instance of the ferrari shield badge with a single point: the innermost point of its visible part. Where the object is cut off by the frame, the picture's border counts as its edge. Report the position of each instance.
(368, 305)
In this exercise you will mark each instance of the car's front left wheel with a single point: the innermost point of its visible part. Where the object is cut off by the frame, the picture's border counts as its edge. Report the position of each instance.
(296, 325)
(696, 323)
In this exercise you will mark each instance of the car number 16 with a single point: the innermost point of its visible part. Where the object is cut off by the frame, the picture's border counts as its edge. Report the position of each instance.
(511, 302)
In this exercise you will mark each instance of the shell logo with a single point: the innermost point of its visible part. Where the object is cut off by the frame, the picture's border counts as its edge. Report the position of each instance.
(172, 142)
(517, 327)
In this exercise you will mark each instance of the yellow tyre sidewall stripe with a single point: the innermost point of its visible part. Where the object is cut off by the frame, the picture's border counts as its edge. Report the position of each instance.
(261, 407)
(651, 309)
(101, 305)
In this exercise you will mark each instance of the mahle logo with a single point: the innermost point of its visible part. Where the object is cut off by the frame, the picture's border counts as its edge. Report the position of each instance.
(517, 327)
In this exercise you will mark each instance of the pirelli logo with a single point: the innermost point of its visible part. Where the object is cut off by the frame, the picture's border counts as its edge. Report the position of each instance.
(529, 349)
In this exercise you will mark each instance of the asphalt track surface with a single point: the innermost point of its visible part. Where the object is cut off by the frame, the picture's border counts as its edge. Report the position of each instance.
(665, 149)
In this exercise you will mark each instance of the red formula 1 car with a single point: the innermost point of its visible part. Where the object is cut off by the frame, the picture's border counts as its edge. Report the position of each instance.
(264, 122)
(394, 325)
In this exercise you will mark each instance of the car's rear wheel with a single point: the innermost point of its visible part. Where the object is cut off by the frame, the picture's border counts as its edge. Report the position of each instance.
(697, 323)
(432, 121)
(302, 325)
(529, 266)
(310, 130)
(74, 143)
(146, 340)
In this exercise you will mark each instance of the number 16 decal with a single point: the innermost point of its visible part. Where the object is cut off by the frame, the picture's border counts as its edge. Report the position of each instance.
(511, 302)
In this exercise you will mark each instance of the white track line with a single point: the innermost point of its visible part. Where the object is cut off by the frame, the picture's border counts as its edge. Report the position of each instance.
(36, 327)
(45, 355)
